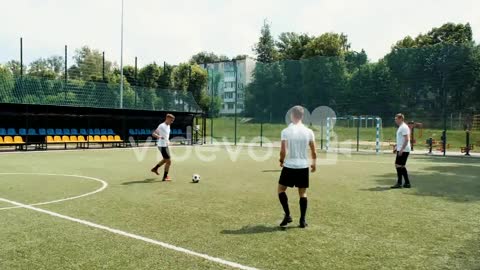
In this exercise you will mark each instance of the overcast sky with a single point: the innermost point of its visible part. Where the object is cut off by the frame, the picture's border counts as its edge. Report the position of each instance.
(160, 30)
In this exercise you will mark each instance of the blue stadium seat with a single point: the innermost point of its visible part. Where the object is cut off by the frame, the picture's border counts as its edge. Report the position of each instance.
(137, 131)
(3, 132)
(42, 132)
(58, 132)
(110, 132)
(32, 132)
(173, 132)
(22, 132)
(179, 131)
(50, 132)
(132, 132)
(96, 132)
(66, 131)
(11, 132)
(83, 132)
(90, 131)
(103, 131)
(142, 132)
(74, 132)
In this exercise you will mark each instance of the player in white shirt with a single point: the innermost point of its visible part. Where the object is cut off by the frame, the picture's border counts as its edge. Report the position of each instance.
(297, 140)
(162, 134)
(402, 151)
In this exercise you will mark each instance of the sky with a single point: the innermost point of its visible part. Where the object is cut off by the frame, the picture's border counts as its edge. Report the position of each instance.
(172, 31)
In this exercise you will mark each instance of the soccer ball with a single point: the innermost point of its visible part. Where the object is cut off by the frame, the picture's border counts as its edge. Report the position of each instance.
(196, 178)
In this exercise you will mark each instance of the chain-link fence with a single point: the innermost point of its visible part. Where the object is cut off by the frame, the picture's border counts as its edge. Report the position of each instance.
(437, 88)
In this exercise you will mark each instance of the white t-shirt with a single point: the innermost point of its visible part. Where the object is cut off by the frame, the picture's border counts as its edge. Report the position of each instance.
(298, 138)
(164, 131)
(403, 130)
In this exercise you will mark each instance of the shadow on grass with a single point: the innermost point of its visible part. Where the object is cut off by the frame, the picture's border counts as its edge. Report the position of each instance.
(257, 229)
(459, 183)
(146, 181)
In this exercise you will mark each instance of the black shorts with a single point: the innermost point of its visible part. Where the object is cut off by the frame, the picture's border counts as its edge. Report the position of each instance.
(402, 160)
(165, 152)
(294, 177)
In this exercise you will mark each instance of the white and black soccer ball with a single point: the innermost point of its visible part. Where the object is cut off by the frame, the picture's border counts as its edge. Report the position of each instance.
(196, 178)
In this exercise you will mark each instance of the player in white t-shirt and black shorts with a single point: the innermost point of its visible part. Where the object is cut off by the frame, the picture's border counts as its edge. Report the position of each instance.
(297, 139)
(162, 134)
(403, 149)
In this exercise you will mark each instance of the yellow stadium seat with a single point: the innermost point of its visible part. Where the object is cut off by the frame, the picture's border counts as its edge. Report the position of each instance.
(73, 139)
(96, 138)
(110, 138)
(81, 139)
(49, 139)
(117, 138)
(57, 139)
(8, 139)
(104, 138)
(90, 138)
(1, 140)
(18, 140)
(65, 139)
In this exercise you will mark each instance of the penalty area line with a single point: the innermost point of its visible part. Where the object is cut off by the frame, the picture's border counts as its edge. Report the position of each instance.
(131, 235)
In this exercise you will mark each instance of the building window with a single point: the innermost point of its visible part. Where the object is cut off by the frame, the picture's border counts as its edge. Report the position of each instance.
(230, 106)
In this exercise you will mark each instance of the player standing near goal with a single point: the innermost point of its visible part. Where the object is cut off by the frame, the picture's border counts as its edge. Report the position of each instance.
(162, 133)
(296, 140)
(403, 150)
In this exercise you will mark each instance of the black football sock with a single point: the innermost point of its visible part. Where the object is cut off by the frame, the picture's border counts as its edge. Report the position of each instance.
(399, 176)
(405, 176)
(156, 167)
(165, 174)
(284, 201)
(303, 207)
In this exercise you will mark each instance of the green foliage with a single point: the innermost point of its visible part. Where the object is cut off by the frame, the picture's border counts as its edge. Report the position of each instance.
(265, 48)
(328, 44)
(207, 57)
(88, 65)
(292, 46)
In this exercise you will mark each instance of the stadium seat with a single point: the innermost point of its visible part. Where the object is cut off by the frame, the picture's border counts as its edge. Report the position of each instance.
(97, 131)
(110, 132)
(90, 131)
(142, 132)
(50, 132)
(73, 139)
(3, 132)
(32, 132)
(49, 139)
(103, 131)
(132, 132)
(83, 132)
(22, 132)
(42, 132)
(110, 138)
(8, 139)
(58, 132)
(81, 139)
(96, 138)
(74, 132)
(65, 139)
(117, 138)
(104, 138)
(18, 140)
(57, 139)
(66, 131)
(11, 132)
(90, 138)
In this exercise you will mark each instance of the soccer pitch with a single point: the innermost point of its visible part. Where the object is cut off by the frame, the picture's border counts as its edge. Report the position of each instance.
(104, 209)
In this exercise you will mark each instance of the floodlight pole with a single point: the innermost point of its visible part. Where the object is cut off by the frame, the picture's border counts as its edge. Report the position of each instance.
(121, 62)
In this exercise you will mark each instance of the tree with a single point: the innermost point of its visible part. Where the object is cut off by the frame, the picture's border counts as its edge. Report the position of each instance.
(148, 75)
(46, 68)
(7, 84)
(355, 60)
(89, 65)
(328, 44)
(292, 46)
(265, 48)
(14, 67)
(207, 57)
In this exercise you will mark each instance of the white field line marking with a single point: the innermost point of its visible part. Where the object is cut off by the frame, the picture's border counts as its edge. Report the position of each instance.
(104, 186)
(131, 235)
